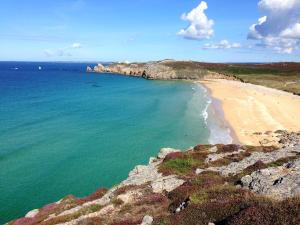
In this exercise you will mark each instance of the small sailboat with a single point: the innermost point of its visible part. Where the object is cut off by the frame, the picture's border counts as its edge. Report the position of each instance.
(40, 68)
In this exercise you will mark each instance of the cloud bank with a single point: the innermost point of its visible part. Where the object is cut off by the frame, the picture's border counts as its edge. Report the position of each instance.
(224, 44)
(279, 28)
(200, 27)
(63, 51)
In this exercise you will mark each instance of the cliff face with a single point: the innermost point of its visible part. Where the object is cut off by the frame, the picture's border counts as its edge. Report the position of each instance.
(161, 70)
(220, 184)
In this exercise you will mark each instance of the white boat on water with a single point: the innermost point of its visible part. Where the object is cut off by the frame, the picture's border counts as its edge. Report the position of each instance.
(40, 68)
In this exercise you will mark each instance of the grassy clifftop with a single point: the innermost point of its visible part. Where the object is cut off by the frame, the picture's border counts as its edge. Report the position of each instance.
(282, 76)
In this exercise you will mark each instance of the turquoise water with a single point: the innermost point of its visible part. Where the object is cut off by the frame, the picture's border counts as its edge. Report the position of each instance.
(63, 131)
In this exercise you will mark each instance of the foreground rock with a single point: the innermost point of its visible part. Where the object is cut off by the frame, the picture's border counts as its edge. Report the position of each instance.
(220, 184)
(278, 182)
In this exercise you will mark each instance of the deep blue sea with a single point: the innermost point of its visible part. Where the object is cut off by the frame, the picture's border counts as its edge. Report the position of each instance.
(64, 131)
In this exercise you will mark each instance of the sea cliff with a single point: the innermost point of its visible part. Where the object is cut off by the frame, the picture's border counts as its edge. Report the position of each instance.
(206, 184)
(162, 70)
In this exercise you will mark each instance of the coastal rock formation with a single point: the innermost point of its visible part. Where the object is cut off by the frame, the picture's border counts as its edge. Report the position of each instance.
(162, 70)
(208, 184)
(283, 76)
(279, 182)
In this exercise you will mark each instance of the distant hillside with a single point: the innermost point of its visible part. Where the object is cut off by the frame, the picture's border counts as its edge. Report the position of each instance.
(283, 76)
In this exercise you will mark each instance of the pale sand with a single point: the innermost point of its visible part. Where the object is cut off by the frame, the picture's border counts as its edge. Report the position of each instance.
(251, 108)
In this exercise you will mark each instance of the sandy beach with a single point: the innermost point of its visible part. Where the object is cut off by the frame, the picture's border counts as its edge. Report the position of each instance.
(255, 112)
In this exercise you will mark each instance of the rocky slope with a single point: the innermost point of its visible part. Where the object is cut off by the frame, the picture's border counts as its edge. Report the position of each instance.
(208, 184)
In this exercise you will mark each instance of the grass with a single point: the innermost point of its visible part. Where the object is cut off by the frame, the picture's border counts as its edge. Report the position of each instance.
(282, 161)
(161, 222)
(282, 76)
(179, 166)
(199, 197)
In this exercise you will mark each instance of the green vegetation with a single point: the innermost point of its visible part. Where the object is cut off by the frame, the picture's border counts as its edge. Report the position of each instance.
(179, 166)
(199, 197)
(282, 76)
(282, 161)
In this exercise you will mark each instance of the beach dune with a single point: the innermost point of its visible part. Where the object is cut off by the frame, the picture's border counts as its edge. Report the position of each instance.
(255, 112)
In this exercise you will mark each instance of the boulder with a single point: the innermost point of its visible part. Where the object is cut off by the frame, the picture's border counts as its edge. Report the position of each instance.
(147, 220)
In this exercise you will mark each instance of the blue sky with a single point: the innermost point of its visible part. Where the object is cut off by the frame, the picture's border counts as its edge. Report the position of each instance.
(142, 30)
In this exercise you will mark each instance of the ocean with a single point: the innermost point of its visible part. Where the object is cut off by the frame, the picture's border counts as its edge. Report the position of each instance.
(64, 131)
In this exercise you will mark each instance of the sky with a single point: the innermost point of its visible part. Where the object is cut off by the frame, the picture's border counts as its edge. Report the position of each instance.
(144, 30)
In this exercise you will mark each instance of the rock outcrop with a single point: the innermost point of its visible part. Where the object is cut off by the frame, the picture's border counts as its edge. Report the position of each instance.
(219, 184)
(278, 182)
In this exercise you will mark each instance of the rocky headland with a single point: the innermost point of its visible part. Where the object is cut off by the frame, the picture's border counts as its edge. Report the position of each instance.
(162, 70)
(283, 76)
(207, 184)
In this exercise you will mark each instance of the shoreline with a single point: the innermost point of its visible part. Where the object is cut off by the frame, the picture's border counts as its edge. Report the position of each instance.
(253, 113)
(220, 130)
(217, 109)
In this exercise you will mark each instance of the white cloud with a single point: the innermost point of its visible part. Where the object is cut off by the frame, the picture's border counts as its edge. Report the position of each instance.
(200, 27)
(224, 44)
(292, 32)
(279, 29)
(280, 45)
(253, 33)
(278, 5)
(76, 45)
(62, 51)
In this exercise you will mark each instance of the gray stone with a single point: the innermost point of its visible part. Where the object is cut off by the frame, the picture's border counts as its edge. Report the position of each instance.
(32, 213)
(278, 182)
(213, 149)
(168, 184)
(214, 157)
(147, 220)
(246, 180)
(237, 167)
(198, 171)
